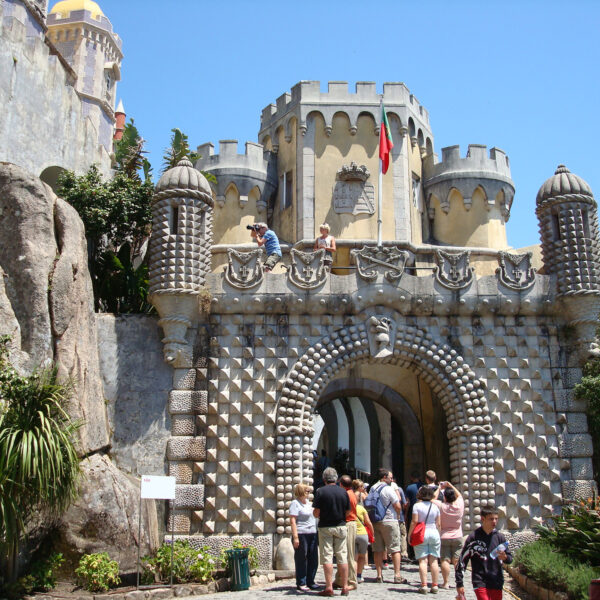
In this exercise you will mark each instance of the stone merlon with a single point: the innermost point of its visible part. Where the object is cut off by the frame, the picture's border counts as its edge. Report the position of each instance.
(308, 96)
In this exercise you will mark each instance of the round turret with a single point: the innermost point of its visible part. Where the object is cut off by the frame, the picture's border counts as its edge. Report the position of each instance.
(469, 199)
(180, 246)
(568, 221)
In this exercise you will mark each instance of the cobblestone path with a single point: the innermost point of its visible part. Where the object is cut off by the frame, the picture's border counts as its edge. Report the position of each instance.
(368, 589)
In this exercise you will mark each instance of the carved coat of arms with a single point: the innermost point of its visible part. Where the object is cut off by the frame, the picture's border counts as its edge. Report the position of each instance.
(307, 269)
(515, 270)
(352, 193)
(244, 269)
(372, 261)
(453, 270)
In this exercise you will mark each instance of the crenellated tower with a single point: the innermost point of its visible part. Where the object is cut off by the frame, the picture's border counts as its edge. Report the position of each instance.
(568, 219)
(317, 141)
(85, 38)
(180, 253)
(244, 190)
(469, 199)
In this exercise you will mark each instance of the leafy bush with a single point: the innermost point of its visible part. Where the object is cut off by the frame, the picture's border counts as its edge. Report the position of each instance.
(253, 560)
(576, 532)
(41, 578)
(589, 389)
(551, 569)
(39, 466)
(189, 564)
(44, 571)
(97, 573)
(116, 214)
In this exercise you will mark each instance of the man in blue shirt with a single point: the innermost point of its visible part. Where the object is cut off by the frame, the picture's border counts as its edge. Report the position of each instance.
(267, 238)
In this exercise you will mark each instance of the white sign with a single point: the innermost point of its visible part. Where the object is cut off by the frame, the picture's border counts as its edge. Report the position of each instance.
(160, 488)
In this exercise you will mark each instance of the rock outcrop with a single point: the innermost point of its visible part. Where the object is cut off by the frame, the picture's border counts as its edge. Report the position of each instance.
(46, 301)
(46, 305)
(105, 516)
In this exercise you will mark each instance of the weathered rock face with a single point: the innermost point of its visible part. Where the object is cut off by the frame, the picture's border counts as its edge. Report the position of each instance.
(46, 301)
(105, 516)
(46, 305)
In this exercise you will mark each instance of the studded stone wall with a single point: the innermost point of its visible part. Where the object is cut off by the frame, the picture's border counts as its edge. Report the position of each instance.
(570, 245)
(516, 436)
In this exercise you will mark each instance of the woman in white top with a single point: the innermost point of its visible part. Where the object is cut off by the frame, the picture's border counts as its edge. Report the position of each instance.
(304, 539)
(326, 242)
(429, 551)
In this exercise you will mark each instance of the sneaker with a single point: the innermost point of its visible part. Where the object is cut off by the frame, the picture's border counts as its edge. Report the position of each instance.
(359, 578)
(423, 590)
(434, 589)
(303, 588)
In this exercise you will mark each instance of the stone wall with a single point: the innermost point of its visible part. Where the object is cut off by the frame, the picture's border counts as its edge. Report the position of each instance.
(43, 122)
(136, 383)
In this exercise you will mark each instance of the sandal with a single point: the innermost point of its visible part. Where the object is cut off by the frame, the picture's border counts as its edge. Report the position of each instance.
(400, 580)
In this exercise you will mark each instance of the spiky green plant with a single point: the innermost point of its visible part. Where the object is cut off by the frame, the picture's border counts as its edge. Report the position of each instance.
(39, 466)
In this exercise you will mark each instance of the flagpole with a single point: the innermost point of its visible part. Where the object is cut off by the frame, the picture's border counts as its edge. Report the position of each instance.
(380, 183)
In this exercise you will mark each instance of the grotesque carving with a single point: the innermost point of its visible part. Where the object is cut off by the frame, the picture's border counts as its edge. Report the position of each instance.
(371, 261)
(244, 269)
(307, 270)
(352, 194)
(515, 270)
(453, 269)
(380, 332)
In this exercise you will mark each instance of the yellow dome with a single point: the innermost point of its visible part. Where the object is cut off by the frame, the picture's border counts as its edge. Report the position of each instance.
(65, 7)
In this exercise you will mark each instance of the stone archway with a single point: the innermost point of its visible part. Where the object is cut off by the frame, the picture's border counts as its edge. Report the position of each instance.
(460, 392)
(389, 399)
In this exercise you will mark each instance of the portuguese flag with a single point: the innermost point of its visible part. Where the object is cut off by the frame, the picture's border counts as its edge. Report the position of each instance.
(385, 141)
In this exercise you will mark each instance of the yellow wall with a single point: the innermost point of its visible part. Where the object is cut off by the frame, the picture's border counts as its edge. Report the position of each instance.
(229, 224)
(331, 153)
(415, 164)
(477, 227)
(284, 221)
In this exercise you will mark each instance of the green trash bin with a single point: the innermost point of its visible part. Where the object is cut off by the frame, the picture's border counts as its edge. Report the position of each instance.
(239, 568)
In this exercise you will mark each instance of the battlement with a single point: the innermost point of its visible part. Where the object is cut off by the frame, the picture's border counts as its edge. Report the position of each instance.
(228, 158)
(85, 16)
(365, 95)
(476, 163)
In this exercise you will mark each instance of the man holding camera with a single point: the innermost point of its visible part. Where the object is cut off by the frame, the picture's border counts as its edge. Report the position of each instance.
(267, 238)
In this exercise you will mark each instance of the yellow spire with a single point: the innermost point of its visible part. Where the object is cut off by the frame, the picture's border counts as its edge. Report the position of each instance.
(64, 8)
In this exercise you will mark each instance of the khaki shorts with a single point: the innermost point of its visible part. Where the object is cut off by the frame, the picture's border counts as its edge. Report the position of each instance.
(451, 548)
(332, 540)
(387, 535)
(271, 261)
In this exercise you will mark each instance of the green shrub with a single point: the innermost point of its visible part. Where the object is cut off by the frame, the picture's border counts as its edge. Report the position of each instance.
(44, 571)
(189, 564)
(552, 569)
(97, 573)
(41, 578)
(253, 560)
(576, 532)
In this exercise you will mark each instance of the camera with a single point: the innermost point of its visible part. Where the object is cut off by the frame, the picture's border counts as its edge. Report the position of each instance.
(253, 227)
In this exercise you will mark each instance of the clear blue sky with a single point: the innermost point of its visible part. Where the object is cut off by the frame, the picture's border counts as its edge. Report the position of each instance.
(521, 76)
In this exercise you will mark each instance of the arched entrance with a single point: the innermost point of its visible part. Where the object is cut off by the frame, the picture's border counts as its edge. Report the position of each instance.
(381, 427)
(385, 339)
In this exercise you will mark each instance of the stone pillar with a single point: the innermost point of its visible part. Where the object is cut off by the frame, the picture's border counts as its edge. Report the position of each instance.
(401, 189)
(306, 174)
